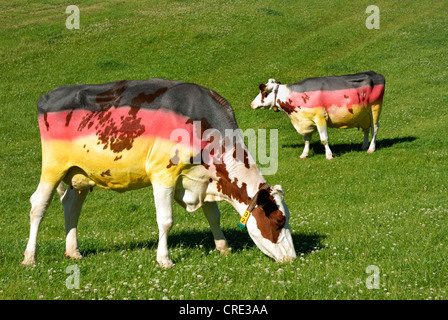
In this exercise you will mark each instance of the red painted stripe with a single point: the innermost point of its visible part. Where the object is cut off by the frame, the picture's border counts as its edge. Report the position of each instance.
(115, 123)
(341, 98)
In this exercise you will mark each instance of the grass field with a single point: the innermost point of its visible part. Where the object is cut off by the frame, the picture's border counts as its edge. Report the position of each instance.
(388, 209)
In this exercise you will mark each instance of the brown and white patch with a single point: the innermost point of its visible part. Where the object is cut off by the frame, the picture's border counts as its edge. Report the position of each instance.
(270, 220)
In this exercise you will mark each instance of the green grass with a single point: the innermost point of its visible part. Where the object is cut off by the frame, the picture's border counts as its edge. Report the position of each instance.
(388, 209)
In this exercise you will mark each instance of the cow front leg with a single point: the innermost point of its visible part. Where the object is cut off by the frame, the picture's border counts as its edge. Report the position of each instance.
(163, 198)
(213, 216)
(306, 149)
(40, 200)
(72, 201)
(323, 133)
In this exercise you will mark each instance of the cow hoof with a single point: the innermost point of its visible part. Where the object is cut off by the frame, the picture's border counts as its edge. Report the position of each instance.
(224, 252)
(28, 260)
(303, 156)
(330, 158)
(166, 264)
(222, 246)
(371, 151)
(27, 263)
(74, 255)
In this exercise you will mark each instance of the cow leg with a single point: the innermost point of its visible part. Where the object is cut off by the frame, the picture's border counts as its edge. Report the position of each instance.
(321, 124)
(376, 110)
(306, 149)
(72, 201)
(163, 198)
(40, 200)
(365, 143)
(213, 216)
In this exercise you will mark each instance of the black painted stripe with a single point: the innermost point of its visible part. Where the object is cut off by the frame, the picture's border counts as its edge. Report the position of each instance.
(332, 83)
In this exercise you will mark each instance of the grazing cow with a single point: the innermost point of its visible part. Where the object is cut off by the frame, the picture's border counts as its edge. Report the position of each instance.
(131, 134)
(348, 101)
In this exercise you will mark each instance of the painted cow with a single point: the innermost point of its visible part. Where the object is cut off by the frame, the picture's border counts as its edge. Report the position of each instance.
(347, 101)
(172, 135)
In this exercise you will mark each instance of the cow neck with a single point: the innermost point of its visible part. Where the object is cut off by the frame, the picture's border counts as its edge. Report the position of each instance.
(252, 204)
(237, 182)
(275, 97)
(252, 193)
(282, 102)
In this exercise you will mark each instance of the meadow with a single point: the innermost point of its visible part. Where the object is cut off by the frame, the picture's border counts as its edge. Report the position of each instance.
(388, 210)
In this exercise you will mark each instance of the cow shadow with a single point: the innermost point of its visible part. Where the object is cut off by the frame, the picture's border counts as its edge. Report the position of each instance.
(338, 149)
(238, 240)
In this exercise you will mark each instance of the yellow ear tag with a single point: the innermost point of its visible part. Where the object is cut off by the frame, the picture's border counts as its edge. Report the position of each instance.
(244, 219)
(275, 108)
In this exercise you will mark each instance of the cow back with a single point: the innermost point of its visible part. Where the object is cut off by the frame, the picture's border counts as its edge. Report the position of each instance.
(333, 83)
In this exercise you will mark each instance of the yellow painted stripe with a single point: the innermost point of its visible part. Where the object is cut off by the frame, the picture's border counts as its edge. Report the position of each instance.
(150, 160)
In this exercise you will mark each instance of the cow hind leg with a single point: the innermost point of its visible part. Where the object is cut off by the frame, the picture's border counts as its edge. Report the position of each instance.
(40, 200)
(72, 201)
(213, 216)
(163, 198)
(376, 111)
(322, 128)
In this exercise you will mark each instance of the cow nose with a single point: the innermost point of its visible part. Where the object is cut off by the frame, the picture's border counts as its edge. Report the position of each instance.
(252, 105)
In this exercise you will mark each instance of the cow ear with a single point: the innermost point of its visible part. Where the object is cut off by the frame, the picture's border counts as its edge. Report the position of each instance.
(262, 86)
(262, 198)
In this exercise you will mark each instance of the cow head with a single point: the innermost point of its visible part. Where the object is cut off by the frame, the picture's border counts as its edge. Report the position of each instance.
(268, 225)
(266, 98)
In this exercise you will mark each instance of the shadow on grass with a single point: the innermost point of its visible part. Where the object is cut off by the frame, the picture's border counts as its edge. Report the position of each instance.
(342, 148)
(238, 240)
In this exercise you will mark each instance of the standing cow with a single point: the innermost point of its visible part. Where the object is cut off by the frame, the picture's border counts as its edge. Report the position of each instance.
(347, 101)
(131, 134)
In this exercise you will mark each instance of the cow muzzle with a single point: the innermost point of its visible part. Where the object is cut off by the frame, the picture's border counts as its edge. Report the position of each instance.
(286, 247)
(282, 251)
